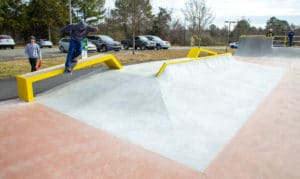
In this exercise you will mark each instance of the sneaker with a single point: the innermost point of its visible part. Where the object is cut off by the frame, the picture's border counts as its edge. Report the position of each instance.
(68, 69)
(74, 61)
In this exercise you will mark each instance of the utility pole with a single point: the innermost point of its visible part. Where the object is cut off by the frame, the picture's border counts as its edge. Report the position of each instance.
(184, 34)
(228, 32)
(49, 33)
(133, 27)
(70, 11)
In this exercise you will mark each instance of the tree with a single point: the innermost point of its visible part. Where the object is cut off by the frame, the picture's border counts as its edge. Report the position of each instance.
(280, 27)
(42, 20)
(12, 17)
(198, 15)
(93, 9)
(242, 27)
(217, 35)
(133, 14)
(177, 33)
(161, 23)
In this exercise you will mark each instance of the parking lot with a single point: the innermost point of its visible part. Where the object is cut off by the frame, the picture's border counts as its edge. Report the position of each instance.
(18, 53)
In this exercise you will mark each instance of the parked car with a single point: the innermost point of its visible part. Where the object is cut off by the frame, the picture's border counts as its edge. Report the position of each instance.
(141, 42)
(44, 43)
(160, 44)
(64, 43)
(105, 43)
(234, 44)
(7, 41)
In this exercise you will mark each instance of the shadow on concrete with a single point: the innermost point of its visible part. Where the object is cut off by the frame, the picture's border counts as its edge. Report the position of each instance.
(8, 87)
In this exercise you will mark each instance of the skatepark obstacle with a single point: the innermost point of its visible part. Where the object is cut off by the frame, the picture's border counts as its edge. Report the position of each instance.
(24, 82)
(196, 51)
(192, 55)
(255, 46)
(261, 46)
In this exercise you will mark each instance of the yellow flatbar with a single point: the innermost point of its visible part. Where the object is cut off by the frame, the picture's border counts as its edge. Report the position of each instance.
(24, 82)
(196, 51)
(186, 60)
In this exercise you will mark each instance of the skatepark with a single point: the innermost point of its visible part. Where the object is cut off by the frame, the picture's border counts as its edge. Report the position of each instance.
(220, 116)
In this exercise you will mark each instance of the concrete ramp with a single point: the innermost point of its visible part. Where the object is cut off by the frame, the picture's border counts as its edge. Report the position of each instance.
(187, 115)
(254, 46)
(261, 46)
(286, 52)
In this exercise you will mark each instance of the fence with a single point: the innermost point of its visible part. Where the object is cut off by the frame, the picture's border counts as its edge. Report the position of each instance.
(283, 41)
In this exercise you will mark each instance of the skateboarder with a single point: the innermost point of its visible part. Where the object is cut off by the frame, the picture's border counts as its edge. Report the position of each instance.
(78, 31)
(291, 37)
(33, 52)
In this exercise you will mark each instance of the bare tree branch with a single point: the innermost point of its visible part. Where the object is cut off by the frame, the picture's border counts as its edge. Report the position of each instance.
(199, 15)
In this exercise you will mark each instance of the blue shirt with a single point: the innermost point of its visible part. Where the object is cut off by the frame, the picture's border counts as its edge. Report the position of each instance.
(291, 34)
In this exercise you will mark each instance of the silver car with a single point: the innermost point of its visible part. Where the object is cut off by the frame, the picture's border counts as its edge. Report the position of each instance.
(44, 43)
(160, 44)
(64, 44)
(7, 41)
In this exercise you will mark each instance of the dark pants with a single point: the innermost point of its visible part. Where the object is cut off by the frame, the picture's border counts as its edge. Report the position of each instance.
(290, 41)
(33, 62)
(75, 50)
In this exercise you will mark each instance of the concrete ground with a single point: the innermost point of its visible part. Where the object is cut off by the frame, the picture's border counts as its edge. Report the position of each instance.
(262, 139)
(178, 118)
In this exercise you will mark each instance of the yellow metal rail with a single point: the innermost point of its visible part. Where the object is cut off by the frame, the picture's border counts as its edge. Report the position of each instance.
(256, 36)
(196, 51)
(24, 82)
(166, 64)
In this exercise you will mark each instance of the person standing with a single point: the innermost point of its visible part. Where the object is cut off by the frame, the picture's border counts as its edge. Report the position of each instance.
(33, 52)
(291, 37)
(78, 31)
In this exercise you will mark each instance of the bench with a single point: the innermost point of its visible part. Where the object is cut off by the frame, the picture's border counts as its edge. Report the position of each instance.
(24, 82)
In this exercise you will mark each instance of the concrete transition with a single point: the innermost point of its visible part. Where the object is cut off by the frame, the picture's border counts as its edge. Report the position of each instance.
(261, 46)
(187, 115)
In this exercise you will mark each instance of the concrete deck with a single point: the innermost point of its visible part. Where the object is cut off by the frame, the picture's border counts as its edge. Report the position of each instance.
(39, 142)
(185, 120)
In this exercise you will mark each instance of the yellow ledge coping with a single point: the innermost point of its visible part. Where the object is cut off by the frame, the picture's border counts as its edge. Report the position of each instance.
(256, 36)
(185, 60)
(24, 82)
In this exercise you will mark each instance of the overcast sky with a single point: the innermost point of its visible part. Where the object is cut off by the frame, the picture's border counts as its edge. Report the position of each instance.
(257, 11)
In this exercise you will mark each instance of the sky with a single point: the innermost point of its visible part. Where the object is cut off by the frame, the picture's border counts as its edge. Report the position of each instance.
(256, 11)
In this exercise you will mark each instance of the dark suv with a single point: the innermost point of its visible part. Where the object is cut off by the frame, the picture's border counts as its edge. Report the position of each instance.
(105, 43)
(141, 42)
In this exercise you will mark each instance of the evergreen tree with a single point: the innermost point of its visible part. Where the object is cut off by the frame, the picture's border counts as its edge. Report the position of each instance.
(133, 15)
(280, 27)
(93, 9)
(12, 17)
(161, 23)
(46, 17)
